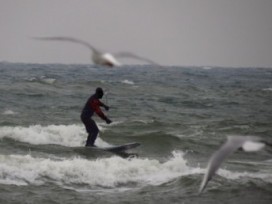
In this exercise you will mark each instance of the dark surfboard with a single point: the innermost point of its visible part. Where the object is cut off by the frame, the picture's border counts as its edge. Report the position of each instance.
(118, 148)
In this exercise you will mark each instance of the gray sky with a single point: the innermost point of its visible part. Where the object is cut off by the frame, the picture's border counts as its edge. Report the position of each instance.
(171, 32)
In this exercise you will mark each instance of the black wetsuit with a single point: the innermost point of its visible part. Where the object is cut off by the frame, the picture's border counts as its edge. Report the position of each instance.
(92, 105)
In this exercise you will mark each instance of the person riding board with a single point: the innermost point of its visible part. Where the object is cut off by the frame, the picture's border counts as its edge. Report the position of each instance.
(93, 106)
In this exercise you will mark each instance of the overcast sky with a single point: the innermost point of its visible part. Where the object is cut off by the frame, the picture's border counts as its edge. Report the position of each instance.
(171, 32)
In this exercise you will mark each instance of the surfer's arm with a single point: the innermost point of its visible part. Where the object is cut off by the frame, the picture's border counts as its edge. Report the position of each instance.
(95, 105)
(104, 105)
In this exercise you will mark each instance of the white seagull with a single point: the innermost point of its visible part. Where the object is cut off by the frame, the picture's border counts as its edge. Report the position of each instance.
(99, 57)
(233, 143)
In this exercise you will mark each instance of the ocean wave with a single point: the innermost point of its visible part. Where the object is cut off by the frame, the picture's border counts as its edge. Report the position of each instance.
(66, 135)
(113, 172)
(105, 172)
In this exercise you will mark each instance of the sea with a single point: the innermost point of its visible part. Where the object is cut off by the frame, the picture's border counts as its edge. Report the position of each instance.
(180, 115)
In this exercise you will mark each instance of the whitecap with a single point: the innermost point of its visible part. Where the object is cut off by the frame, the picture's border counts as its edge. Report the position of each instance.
(266, 177)
(105, 172)
(267, 89)
(9, 112)
(47, 80)
(42, 79)
(66, 135)
(128, 82)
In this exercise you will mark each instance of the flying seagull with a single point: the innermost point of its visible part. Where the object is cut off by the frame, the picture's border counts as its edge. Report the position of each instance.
(233, 143)
(99, 57)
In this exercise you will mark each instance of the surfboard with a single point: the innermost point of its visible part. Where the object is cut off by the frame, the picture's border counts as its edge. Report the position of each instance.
(118, 148)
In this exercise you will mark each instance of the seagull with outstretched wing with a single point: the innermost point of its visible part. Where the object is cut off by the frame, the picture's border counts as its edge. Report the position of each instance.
(233, 143)
(99, 57)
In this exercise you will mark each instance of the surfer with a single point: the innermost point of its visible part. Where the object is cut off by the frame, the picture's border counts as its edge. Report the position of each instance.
(93, 105)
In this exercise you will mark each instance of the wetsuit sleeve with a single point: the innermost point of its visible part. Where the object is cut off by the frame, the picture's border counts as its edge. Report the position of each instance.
(95, 105)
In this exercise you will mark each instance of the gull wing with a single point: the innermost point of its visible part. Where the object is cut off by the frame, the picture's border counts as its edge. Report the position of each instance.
(69, 39)
(233, 143)
(134, 56)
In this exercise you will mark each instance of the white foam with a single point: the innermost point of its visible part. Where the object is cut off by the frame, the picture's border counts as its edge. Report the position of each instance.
(42, 79)
(265, 176)
(66, 135)
(47, 80)
(128, 82)
(14, 171)
(9, 112)
(267, 89)
(113, 172)
(105, 172)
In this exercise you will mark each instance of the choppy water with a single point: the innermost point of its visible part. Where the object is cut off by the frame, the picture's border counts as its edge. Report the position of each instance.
(180, 115)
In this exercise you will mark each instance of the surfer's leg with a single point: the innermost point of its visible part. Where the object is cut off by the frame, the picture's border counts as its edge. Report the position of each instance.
(88, 126)
(88, 141)
(93, 130)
